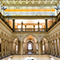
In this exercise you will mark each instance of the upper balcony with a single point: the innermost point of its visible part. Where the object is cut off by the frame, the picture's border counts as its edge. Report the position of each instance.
(41, 25)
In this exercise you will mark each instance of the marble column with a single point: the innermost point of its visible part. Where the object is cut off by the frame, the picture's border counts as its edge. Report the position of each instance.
(21, 26)
(5, 47)
(39, 47)
(53, 48)
(21, 48)
(11, 47)
(56, 48)
(33, 27)
(46, 24)
(59, 47)
(15, 49)
(2, 47)
(13, 24)
(49, 47)
(38, 27)
(25, 27)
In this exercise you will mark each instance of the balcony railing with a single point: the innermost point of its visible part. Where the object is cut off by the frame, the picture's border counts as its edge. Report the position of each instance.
(29, 29)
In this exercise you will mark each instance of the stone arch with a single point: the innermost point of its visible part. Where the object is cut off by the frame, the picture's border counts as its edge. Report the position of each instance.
(31, 35)
(35, 2)
(28, 39)
(23, 2)
(29, 2)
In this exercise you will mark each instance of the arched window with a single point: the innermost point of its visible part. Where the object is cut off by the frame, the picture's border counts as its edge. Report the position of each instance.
(29, 45)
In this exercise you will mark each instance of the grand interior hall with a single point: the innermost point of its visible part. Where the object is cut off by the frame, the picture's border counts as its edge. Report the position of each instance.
(29, 29)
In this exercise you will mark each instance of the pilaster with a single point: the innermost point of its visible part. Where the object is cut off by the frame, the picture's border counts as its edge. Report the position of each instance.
(5, 47)
(2, 47)
(21, 48)
(59, 47)
(39, 47)
(53, 48)
(56, 48)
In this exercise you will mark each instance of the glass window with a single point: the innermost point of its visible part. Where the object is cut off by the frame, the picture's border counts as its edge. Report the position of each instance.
(43, 47)
(29, 46)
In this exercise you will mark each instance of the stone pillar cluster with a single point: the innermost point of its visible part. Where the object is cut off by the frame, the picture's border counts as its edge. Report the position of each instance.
(54, 46)
(6, 48)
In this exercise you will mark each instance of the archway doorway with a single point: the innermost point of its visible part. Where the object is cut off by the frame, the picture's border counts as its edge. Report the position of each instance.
(30, 45)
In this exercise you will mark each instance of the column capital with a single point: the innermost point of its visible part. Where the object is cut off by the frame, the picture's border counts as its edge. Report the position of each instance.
(46, 24)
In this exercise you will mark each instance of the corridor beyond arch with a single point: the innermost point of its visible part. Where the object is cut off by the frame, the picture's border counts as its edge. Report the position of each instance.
(30, 45)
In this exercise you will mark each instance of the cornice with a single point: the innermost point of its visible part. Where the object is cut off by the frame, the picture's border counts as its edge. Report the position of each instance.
(6, 26)
(54, 27)
(36, 32)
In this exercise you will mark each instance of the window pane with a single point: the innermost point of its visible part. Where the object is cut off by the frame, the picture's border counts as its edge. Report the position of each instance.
(29, 46)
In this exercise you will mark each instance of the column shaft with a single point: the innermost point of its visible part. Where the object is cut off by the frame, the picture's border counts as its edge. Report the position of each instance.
(33, 27)
(2, 47)
(56, 48)
(21, 48)
(25, 27)
(38, 27)
(39, 48)
(46, 23)
(5, 47)
(49, 47)
(11, 47)
(53, 48)
(21, 26)
(59, 47)
(13, 24)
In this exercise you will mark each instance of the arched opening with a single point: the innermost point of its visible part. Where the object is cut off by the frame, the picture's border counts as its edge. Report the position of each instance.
(44, 46)
(30, 45)
(16, 46)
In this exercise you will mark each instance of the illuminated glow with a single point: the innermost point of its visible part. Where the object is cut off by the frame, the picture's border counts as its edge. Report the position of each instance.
(23, 10)
(29, 58)
(9, 59)
(36, 26)
(19, 26)
(16, 48)
(29, 46)
(30, 20)
(52, 59)
(29, 26)
(43, 47)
